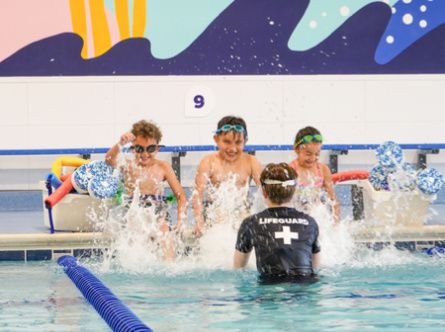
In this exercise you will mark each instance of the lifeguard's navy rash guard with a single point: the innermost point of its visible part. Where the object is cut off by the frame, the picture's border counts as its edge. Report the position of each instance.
(284, 241)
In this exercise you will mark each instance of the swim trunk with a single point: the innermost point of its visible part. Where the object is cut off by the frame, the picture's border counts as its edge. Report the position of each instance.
(147, 201)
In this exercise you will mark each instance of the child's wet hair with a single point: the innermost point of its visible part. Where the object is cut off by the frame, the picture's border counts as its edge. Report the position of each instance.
(232, 120)
(305, 131)
(278, 193)
(147, 129)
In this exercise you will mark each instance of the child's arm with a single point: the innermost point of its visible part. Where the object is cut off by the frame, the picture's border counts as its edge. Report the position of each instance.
(177, 189)
(256, 170)
(201, 179)
(329, 187)
(111, 156)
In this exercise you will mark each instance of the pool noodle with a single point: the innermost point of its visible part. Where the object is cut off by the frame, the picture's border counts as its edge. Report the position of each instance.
(66, 161)
(59, 193)
(350, 175)
(65, 176)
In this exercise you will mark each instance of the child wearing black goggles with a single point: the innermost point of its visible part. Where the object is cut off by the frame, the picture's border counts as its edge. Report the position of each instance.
(143, 174)
(150, 148)
(314, 178)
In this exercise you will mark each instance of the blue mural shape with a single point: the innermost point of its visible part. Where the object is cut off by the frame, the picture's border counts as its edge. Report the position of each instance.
(263, 37)
(410, 21)
(322, 18)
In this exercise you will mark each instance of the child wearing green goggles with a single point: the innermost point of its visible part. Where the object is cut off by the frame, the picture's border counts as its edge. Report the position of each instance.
(314, 178)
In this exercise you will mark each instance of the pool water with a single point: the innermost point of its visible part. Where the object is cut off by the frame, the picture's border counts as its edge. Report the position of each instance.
(380, 290)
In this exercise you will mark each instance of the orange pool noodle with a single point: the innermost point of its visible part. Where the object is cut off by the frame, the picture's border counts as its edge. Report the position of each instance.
(59, 193)
(350, 175)
(65, 176)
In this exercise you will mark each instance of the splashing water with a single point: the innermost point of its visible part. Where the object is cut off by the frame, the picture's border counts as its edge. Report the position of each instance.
(138, 246)
(230, 205)
(136, 238)
(138, 230)
(337, 244)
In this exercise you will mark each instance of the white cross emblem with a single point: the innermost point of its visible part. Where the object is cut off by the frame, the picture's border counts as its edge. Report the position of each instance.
(286, 235)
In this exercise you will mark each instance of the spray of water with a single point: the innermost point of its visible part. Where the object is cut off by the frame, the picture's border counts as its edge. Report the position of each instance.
(229, 205)
(139, 246)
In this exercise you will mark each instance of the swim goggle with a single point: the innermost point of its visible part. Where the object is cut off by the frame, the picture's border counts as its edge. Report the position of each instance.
(287, 183)
(309, 138)
(229, 127)
(150, 148)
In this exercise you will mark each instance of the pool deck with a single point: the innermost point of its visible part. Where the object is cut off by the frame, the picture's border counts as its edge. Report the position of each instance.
(23, 237)
(403, 237)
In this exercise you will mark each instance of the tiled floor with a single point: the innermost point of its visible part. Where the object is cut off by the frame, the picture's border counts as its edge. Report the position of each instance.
(22, 222)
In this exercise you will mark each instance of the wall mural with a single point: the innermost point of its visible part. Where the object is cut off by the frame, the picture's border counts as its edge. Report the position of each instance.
(221, 37)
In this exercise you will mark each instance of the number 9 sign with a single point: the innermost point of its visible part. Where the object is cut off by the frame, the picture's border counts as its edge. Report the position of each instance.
(199, 101)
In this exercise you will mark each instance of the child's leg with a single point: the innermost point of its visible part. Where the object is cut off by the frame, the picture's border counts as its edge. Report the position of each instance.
(167, 243)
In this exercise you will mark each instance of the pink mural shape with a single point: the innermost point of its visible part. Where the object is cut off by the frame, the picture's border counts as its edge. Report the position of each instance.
(40, 19)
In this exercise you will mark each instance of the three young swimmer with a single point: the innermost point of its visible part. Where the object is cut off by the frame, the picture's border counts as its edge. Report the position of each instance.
(144, 176)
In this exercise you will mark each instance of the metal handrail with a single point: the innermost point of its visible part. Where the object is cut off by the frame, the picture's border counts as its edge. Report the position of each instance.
(200, 148)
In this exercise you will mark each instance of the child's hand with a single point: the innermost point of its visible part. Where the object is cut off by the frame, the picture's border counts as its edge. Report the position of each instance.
(198, 231)
(177, 228)
(164, 228)
(126, 138)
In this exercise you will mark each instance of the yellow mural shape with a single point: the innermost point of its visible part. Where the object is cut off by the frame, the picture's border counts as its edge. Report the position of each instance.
(79, 22)
(101, 33)
(123, 21)
(139, 15)
(97, 25)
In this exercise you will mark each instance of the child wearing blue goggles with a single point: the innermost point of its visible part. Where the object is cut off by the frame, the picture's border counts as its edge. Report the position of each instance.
(221, 167)
(238, 128)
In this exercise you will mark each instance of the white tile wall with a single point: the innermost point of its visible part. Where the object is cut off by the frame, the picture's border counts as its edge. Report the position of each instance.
(206, 132)
(149, 100)
(70, 136)
(13, 105)
(71, 104)
(408, 101)
(423, 131)
(257, 101)
(264, 134)
(319, 100)
(92, 112)
(184, 134)
(14, 136)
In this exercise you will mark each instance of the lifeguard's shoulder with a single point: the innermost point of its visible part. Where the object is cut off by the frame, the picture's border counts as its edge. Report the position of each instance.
(248, 224)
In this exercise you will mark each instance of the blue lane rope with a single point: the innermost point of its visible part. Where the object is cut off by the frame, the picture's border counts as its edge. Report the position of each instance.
(197, 148)
(117, 315)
